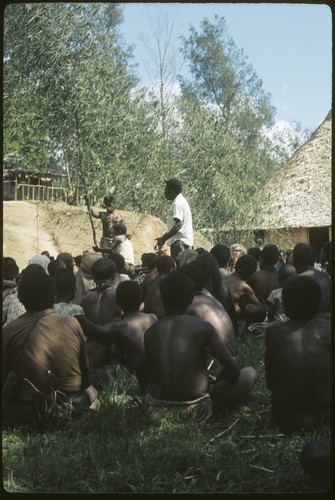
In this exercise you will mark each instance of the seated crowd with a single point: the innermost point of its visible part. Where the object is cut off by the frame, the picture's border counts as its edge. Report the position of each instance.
(67, 320)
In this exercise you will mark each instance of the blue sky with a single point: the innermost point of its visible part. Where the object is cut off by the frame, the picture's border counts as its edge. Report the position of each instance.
(288, 45)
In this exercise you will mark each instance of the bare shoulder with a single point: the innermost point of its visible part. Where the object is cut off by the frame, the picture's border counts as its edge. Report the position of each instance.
(277, 329)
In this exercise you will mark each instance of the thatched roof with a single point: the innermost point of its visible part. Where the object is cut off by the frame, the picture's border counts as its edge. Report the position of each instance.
(299, 195)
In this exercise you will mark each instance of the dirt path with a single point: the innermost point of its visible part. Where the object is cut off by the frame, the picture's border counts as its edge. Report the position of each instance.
(23, 232)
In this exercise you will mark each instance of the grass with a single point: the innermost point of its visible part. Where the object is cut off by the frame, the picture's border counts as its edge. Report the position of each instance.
(118, 450)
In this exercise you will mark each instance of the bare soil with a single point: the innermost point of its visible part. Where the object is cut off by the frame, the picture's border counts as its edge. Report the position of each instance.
(31, 227)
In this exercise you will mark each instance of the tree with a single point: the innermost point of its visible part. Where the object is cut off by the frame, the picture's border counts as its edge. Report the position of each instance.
(66, 64)
(223, 110)
(221, 77)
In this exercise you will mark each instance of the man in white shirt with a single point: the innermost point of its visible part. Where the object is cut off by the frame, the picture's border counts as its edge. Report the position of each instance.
(179, 235)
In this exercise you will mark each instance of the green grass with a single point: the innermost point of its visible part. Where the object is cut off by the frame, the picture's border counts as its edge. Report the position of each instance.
(118, 450)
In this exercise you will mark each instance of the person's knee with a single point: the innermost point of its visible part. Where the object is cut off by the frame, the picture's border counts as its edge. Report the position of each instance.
(248, 377)
(315, 458)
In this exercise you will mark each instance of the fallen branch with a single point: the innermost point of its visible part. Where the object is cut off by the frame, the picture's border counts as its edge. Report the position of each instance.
(262, 436)
(261, 468)
(225, 431)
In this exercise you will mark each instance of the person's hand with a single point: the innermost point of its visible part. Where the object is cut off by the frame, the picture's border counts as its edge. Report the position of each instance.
(160, 242)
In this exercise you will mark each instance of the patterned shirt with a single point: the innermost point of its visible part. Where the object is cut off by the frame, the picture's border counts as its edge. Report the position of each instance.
(70, 309)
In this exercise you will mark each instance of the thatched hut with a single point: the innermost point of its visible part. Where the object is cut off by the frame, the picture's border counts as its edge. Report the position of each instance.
(297, 201)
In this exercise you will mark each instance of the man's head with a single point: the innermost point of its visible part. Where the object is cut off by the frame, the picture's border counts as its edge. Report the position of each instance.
(67, 258)
(285, 272)
(120, 228)
(165, 264)
(149, 260)
(55, 265)
(173, 187)
(65, 283)
(177, 292)
(36, 289)
(103, 269)
(303, 257)
(245, 266)
(301, 298)
(109, 201)
(237, 250)
(255, 252)
(128, 296)
(196, 273)
(222, 254)
(41, 260)
(269, 256)
(10, 269)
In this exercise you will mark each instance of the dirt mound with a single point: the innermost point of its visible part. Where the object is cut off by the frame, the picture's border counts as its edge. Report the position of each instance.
(32, 227)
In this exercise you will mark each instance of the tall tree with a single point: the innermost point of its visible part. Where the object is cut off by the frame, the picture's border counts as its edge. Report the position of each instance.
(74, 79)
(221, 76)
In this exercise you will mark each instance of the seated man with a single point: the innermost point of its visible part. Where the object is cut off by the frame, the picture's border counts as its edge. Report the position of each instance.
(47, 351)
(99, 304)
(128, 333)
(266, 279)
(275, 302)
(149, 271)
(223, 256)
(298, 359)
(207, 307)
(11, 306)
(175, 351)
(247, 306)
(152, 299)
(304, 260)
(121, 244)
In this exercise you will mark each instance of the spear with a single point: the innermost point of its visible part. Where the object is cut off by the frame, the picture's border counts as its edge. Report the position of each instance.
(86, 197)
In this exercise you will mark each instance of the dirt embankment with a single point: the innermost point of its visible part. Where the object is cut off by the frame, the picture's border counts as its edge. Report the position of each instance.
(32, 227)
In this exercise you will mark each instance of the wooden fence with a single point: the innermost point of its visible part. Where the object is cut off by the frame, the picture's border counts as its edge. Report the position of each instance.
(14, 190)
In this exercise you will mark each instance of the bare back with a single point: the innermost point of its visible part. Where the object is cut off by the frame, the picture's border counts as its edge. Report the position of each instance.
(175, 347)
(101, 308)
(241, 292)
(209, 309)
(263, 282)
(298, 366)
(152, 299)
(129, 338)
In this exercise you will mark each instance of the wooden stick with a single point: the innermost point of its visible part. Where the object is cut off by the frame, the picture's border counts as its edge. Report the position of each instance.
(224, 432)
(262, 436)
(261, 468)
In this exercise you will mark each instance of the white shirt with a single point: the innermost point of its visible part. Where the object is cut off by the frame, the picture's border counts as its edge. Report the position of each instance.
(180, 210)
(126, 249)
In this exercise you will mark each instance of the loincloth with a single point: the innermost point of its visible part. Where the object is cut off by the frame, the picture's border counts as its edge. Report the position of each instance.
(199, 409)
(290, 422)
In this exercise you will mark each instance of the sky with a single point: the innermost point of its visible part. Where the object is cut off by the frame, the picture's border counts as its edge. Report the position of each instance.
(288, 45)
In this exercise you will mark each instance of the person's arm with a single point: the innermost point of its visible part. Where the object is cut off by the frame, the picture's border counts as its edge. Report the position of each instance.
(230, 368)
(267, 358)
(96, 213)
(271, 311)
(174, 230)
(116, 241)
(84, 365)
(96, 332)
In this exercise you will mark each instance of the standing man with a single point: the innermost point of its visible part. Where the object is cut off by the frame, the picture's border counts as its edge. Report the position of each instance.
(109, 218)
(179, 236)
